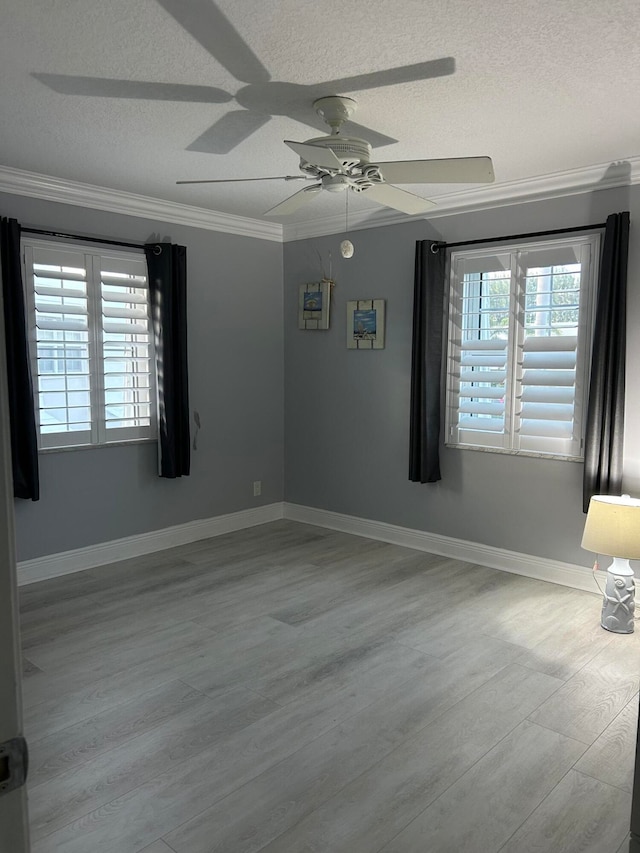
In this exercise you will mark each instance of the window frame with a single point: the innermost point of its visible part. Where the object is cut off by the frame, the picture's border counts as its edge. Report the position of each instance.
(509, 440)
(98, 435)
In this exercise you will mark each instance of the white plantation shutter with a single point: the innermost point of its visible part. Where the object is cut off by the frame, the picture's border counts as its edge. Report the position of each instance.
(482, 389)
(60, 345)
(518, 354)
(91, 345)
(546, 415)
(126, 345)
(479, 351)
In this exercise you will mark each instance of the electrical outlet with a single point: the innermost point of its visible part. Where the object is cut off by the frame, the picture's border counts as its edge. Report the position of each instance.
(257, 488)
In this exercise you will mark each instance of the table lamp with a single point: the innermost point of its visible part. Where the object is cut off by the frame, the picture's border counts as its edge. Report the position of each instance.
(613, 528)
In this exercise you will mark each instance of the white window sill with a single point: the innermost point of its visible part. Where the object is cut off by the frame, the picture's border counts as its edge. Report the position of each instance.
(75, 447)
(505, 452)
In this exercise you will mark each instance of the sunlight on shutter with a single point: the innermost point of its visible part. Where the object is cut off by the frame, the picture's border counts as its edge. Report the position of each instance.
(126, 331)
(548, 351)
(483, 380)
(62, 344)
(480, 323)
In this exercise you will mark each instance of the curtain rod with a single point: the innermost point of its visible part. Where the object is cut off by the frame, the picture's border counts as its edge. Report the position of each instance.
(522, 236)
(84, 239)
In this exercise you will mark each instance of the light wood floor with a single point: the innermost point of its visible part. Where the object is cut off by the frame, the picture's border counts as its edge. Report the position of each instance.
(291, 689)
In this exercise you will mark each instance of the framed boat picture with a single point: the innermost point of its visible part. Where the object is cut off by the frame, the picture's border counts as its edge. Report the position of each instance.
(313, 305)
(365, 324)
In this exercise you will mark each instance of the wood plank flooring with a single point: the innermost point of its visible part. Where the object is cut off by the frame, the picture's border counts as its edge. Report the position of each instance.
(291, 689)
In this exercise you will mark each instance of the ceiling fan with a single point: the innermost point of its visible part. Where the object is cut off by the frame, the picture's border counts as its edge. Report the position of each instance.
(337, 163)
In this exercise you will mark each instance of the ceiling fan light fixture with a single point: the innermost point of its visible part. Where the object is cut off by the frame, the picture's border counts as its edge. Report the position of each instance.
(335, 183)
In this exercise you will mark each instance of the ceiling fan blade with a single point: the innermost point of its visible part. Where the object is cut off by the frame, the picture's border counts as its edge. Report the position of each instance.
(244, 180)
(209, 27)
(107, 87)
(398, 199)
(232, 129)
(295, 201)
(456, 170)
(405, 74)
(315, 154)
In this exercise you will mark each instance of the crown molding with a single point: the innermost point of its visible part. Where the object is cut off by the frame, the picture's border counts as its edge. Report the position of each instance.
(19, 182)
(571, 182)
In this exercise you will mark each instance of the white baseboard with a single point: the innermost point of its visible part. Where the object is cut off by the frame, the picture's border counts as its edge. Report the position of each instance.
(539, 568)
(66, 562)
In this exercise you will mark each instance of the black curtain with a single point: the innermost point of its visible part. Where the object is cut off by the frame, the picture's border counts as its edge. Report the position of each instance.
(605, 413)
(24, 444)
(426, 362)
(167, 265)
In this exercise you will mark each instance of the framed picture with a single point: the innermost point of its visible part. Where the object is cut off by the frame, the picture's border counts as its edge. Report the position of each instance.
(313, 305)
(365, 324)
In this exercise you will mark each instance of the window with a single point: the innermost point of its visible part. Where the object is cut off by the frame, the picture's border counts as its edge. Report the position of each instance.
(520, 327)
(91, 344)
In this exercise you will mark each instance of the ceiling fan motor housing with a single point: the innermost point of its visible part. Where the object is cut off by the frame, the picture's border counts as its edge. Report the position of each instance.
(350, 150)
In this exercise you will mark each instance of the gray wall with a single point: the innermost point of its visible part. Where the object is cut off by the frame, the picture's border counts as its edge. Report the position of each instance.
(236, 384)
(346, 412)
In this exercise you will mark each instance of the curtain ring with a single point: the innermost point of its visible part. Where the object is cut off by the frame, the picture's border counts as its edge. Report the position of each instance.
(157, 250)
(435, 248)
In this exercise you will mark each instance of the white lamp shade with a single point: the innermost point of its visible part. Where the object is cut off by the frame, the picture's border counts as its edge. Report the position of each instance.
(613, 527)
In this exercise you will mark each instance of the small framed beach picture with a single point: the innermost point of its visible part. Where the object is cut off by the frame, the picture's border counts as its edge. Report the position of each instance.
(313, 305)
(365, 324)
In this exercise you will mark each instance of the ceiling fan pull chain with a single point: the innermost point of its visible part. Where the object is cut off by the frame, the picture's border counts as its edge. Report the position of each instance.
(346, 247)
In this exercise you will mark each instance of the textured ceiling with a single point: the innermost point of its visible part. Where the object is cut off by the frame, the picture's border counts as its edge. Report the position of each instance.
(136, 95)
